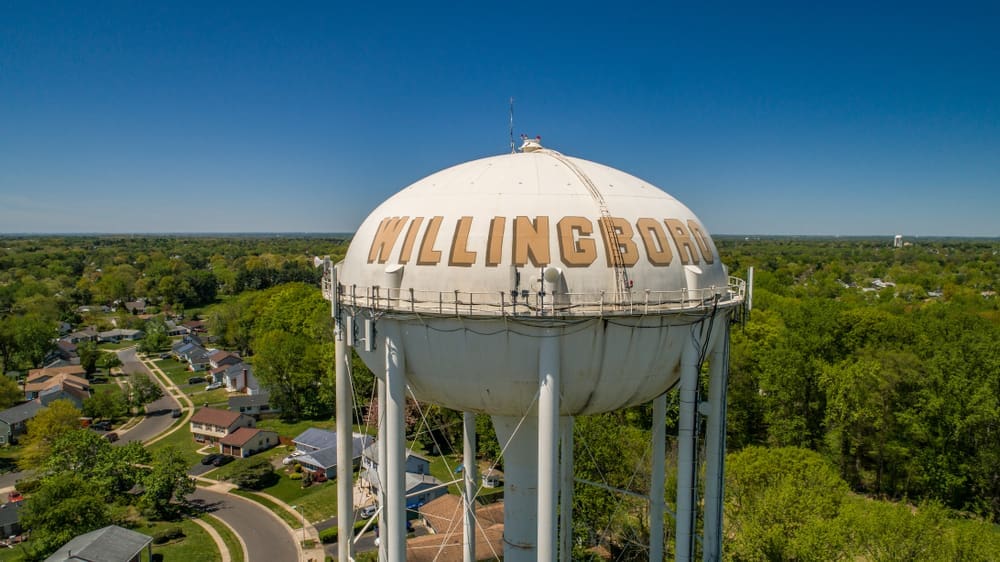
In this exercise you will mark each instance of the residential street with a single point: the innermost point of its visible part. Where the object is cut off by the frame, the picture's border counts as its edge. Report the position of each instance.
(158, 420)
(266, 537)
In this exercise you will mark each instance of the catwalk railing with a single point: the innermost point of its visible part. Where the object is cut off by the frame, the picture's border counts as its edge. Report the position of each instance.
(538, 303)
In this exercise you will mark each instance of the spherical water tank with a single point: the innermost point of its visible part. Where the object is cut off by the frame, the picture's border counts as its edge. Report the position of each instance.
(470, 267)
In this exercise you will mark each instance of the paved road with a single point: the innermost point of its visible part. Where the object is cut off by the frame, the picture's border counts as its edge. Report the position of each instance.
(158, 420)
(266, 538)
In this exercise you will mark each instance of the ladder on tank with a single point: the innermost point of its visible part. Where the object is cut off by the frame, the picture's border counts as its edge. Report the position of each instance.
(622, 283)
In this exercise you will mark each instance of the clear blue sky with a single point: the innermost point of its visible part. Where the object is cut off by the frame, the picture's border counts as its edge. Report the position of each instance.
(764, 118)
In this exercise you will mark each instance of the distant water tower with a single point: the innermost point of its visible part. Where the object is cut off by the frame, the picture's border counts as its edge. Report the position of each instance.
(535, 287)
(897, 242)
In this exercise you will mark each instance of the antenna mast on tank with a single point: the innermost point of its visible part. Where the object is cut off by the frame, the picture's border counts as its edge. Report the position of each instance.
(512, 150)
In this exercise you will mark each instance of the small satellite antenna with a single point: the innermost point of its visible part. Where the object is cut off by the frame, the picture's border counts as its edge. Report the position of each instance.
(512, 149)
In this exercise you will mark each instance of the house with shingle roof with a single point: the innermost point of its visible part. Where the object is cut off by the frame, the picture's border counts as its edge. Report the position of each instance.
(247, 441)
(318, 450)
(253, 404)
(110, 544)
(71, 376)
(13, 421)
(211, 425)
(443, 517)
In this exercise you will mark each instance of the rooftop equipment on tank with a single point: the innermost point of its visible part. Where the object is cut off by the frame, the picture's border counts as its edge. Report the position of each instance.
(535, 287)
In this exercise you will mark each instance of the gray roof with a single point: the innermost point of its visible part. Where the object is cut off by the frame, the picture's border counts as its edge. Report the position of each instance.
(316, 438)
(20, 412)
(327, 458)
(323, 458)
(244, 400)
(9, 513)
(110, 544)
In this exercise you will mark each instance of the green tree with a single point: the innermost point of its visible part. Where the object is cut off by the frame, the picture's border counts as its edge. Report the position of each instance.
(10, 392)
(141, 390)
(779, 504)
(253, 474)
(51, 423)
(106, 403)
(166, 483)
(61, 508)
(34, 338)
(110, 361)
(89, 354)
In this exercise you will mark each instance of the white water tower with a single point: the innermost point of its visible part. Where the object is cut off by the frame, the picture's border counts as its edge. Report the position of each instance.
(535, 287)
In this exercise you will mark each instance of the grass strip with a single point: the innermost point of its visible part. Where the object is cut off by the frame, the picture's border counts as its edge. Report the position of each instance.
(294, 521)
(228, 537)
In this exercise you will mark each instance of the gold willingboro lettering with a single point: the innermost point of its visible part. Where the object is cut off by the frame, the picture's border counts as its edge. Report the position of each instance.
(531, 237)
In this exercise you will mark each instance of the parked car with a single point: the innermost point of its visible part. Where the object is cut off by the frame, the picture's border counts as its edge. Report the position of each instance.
(210, 458)
(175, 413)
(102, 425)
(111, 436)
(164, 356)
(215, 385)
(368, 511)
(196, 380)
(291, 457)
(222, 460)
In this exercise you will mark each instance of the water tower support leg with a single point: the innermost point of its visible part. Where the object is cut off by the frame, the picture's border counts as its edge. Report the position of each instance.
(345, 446)
(566, 490)
(715, 441)
(657, 485)
(394, 511)
(519, 437)
(383, 431)
(548, 447)
(685, 453)
(469, 470)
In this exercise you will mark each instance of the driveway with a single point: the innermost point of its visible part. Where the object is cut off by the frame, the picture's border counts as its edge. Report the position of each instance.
(266, 537)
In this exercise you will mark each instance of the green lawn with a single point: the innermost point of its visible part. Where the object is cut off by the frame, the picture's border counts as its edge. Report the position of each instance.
(182, 440)
(441, 471)
(292, 429)
(318, 501)
(178, 373)
(196, 544)
(228, 537)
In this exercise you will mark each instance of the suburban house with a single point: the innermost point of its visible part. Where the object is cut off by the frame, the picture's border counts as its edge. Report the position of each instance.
(137, 306)
(246, 441)
(10, 519)
(189, 350)
(120, 334)
(13, 421)
(422, 488)
(212, 424)
(110, 544)
(71, 376)
(68, 392)
(174, 330)
(317, 450)
(253, 404)
(220, 358)
(237, 378)
(86, 334)
(443, 518)
(418, 479)
(195, 326)
(415, 463)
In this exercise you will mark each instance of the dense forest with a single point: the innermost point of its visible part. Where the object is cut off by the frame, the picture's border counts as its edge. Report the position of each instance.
(864, 395)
